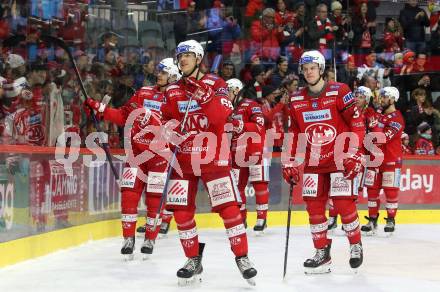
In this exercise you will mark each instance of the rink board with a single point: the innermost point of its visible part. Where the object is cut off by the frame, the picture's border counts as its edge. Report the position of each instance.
(34, 246)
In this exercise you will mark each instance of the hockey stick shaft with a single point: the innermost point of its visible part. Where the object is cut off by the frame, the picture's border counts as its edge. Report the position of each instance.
(289, 214)
(64, 46)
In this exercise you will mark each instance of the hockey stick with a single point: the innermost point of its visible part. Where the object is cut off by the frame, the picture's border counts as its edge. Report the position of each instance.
(60, 43)
(289, 214)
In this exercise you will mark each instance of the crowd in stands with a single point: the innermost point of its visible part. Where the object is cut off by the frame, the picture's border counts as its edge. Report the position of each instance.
(260, 42)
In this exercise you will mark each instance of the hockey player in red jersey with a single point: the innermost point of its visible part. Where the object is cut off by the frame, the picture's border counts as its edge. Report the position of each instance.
(202, 155)
(387, 176)
(320, 115)
(149, 174)
(249, 112)
(362, 97)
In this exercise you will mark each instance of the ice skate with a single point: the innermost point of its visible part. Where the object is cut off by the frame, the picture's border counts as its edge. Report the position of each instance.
(260, 227)
(141, 230)
(320, 263)
(164, 228)
(147, 248)
(127, 248)
(370, 228)
(191, 272)
(247, 269)
(332, 224)
(389, 226)
(356, 256)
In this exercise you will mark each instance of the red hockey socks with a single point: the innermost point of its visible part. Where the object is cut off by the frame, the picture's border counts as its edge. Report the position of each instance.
(318, 223)
(261, 198)
(331, 209)
(152, 203)
(373, 202)
(186, 225)
(235, 230)
(167, 216)
(129, 203)
(349, 218)
(392, 202)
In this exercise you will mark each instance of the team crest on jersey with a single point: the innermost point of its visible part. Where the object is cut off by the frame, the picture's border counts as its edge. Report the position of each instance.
(335, 86)
(156, 96)
(194, 106)
(348, 97)
(316, 116)
(152, 104)
(314, 104)
(320, 134)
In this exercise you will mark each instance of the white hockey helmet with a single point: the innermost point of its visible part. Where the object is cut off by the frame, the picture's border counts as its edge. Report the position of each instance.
(364, 91)
(234, 84)
(190, 46)
(312, 57)
(391, 92)
(167, 65)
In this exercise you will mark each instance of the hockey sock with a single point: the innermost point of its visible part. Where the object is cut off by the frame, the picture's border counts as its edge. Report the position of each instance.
(392, 202)
(318, 223)
(349, 218)
(152, 203)
(129, 202)
(167, 216)
(373, 202)
(186, 225)
(243, 212)
(261, 198)
(331, 209)
(235, 230)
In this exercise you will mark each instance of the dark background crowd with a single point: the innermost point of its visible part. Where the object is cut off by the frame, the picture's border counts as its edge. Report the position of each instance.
(117, 44)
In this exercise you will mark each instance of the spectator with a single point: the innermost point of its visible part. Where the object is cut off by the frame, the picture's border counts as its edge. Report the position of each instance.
(320, 32)
(364, 29)
(392, 38)
(282, 15)
(290, 83)
(348, 72)
(434, 9)
(422, 111)
(254, 89)
(424, 145)
(405, 144)
(281, 72)
(267, 36)
(398, 63)
(292, 44)
(435, 43)
(228, 70)
(245, 73)
(189, 22)
(408, 63)
(414, 20)
(329, 74)
(230, 34)
(420, 64)
(148, 73)
(341, 23)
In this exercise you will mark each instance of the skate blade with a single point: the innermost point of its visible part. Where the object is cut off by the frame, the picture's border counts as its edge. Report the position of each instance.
(251, 282)
(369, 233)
(389, 234)
(193, 281)
(146, 256)
(161, 235)
(324, 269)
(355, 270)
(259, 233)
(128, 257)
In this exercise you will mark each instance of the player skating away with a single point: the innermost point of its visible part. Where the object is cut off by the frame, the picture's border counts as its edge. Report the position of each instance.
(207, 114)
(362, 97)
(387, 176)
(154, 169)
(248, 119)
(320, 112)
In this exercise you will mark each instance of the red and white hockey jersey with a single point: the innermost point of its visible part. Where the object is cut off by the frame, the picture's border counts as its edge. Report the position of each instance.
(207, 116)
(30, 125)
(322, 118)
(393, 125)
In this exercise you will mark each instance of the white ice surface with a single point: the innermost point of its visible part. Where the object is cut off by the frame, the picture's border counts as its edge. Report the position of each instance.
(407, 261)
